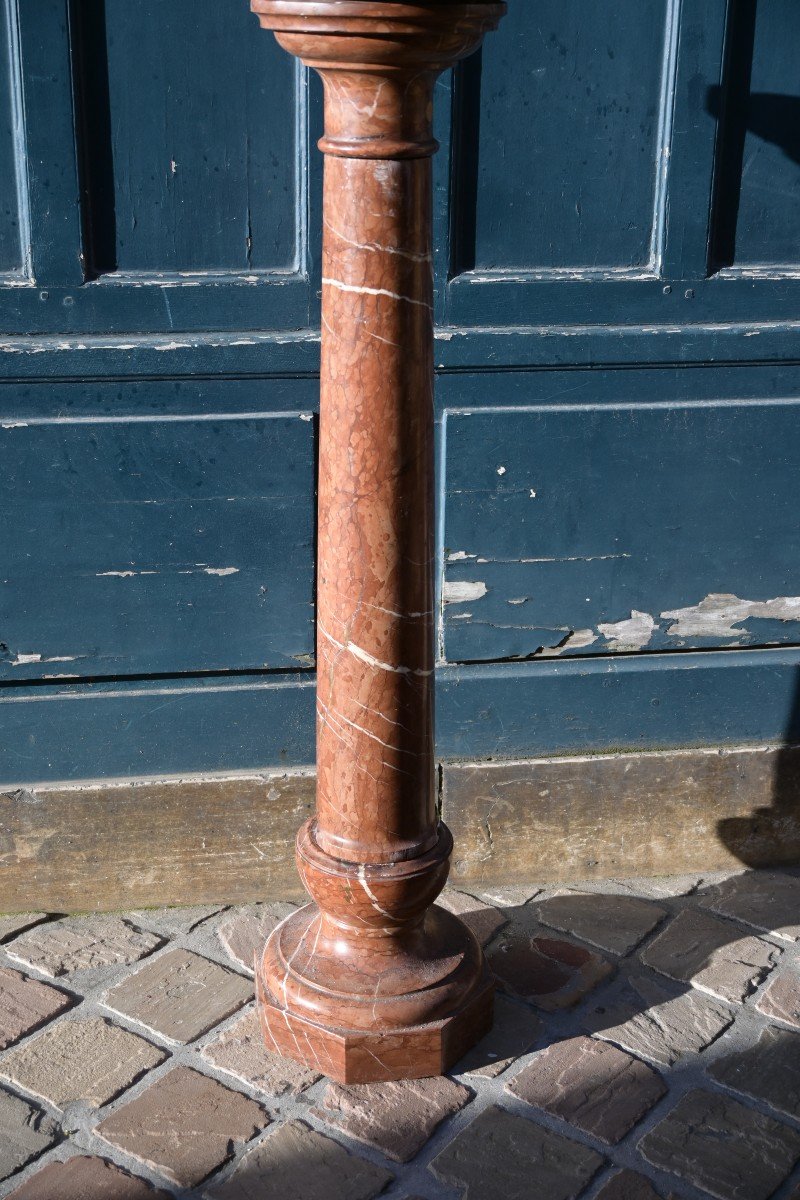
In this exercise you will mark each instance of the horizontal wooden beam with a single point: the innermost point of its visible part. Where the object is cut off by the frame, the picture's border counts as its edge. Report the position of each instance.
(151, 842)
(229, 839)
(460, 348)
(623, 815)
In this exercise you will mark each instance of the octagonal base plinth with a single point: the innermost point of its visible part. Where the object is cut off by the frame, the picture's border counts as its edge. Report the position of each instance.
(359, 1056)
(372, 1055)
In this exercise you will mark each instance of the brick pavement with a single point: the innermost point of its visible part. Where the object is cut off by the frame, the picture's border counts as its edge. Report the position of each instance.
(646, 1046)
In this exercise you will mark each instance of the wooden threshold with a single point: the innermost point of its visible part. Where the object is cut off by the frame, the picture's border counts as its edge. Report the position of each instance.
(201, 840)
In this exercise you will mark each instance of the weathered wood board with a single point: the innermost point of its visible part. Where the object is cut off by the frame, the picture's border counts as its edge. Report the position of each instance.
(190, 161)
(153, 545)
(622, 815)
(617, 294)
(566, 75)
(597, 529)
(231, 839)
(152, 843)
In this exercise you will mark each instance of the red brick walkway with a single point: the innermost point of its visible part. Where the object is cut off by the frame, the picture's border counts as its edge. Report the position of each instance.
(647, 1044)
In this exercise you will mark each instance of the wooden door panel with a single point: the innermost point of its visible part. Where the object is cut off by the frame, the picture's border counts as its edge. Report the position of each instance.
(156, 545)
(571, 105)
(189, 139)
(757, 207)
(163, 153)
(637, 528)
(617, 273)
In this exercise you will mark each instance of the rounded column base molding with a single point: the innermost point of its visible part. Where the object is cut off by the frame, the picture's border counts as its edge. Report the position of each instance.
(340, 1018)
(373, 959)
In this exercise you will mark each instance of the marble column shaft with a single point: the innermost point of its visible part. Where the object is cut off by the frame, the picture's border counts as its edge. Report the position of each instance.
(375, 631)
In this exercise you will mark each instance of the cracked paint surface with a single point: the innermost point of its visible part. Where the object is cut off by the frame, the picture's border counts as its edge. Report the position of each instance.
(721, 617)
(662, 522)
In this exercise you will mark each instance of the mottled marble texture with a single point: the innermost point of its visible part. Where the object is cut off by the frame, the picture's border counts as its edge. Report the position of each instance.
(375, 793)
(374, 984)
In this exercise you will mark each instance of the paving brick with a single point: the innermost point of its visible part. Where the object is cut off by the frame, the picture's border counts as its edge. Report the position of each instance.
(712, 954)
(241, 1052)
(769, 1071)
(628, 1185)
(591, 1084)
(296, 1163)
(85, 1178)
(184, 1126)
(514, 1031)
(80, 943)
(482, 919)
(653, 1022)
(25, 1004)
(177, 920)
(781, 999)
(180, 995)
(244, 931)
(501, 1156)
(89, 1060)
(25, 1133)
(768, 900)
(719, 1145)
(615, 923)
(551, 973)
(395, 1118)
(15, 923)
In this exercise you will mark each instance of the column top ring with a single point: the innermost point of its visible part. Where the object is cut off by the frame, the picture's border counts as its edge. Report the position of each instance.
(387, 34)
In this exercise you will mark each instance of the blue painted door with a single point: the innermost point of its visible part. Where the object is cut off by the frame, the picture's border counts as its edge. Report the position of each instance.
(618, 267)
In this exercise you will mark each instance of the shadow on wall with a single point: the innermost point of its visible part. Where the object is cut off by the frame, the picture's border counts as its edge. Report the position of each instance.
(754, 839)
(771, 116)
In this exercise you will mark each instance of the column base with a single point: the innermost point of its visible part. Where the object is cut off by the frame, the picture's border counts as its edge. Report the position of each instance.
(377, 1050)
(359, 1056)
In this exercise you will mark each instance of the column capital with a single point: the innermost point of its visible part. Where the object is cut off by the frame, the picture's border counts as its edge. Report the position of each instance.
(378, 60)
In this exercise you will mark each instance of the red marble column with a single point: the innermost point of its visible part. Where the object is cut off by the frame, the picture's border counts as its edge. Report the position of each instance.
(373, 981)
